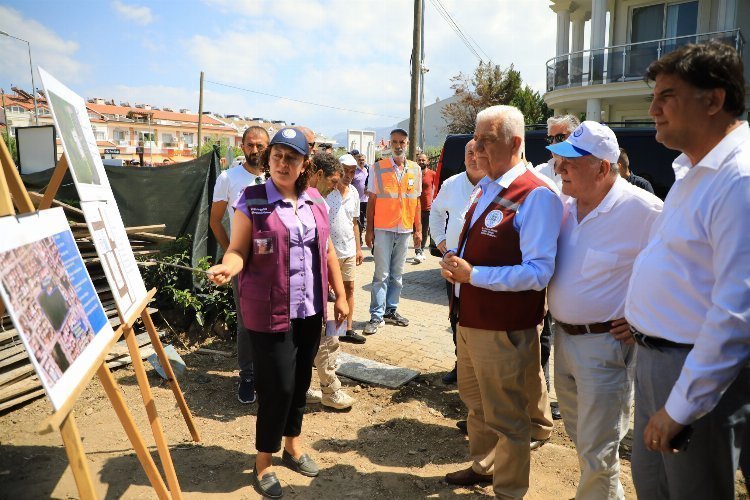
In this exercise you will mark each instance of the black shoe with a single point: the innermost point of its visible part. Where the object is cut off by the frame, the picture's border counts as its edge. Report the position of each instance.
(535, 444)
(394, 318)
(268, 485)
(451, 377)
(461, 424)
(246, 392)
(304, 464)
(353, 338)
(555, 411)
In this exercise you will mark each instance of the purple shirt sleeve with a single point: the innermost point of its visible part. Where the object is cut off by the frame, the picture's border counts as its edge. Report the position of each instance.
(241, 205)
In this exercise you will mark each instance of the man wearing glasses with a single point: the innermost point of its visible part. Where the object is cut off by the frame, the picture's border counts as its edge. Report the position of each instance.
(229, 186)
(558, 129)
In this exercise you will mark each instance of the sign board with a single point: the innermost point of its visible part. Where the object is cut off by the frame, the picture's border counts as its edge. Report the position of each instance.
(37, 148)
(51, 300)
(111, 151)
(97, 200)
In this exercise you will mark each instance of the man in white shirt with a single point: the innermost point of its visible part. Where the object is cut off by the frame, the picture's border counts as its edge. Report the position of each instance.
(689, 295)
(558, 129)
(229, 186)
(504, 260)
(447, 219)
(606, 222)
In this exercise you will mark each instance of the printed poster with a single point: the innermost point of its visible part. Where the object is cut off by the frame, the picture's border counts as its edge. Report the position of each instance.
(97, 200)
(113, 247)
(51, 300)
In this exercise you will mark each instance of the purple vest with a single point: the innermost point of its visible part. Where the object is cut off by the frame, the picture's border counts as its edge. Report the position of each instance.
(264, 281)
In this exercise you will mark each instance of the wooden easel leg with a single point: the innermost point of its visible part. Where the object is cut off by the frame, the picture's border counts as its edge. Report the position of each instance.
(14, 182)
(77, 458)
(153, 416)
(54, 183)
(126, 419)
(167, 366)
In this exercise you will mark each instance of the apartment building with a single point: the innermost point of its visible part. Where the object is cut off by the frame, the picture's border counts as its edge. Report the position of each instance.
(605, 80)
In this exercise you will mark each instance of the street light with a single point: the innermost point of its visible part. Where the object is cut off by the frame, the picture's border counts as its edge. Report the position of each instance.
(31, 69)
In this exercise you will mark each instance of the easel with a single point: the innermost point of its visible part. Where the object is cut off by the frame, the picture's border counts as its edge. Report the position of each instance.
(63, 419)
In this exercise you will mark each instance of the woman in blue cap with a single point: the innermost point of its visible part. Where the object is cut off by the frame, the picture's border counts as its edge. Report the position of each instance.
(281, 248)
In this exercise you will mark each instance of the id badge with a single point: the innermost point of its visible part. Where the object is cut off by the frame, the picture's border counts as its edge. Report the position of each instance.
(263, 246)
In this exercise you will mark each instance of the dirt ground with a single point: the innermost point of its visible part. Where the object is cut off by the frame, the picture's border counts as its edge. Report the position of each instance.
(392, 444)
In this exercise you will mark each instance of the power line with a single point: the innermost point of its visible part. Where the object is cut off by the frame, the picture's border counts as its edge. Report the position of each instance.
(467, 40)
(301, 101)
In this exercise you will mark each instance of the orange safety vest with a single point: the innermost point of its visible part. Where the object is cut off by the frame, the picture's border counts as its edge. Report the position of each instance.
(397, 200)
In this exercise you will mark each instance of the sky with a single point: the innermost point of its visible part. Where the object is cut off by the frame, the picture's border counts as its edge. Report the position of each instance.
(348, 54)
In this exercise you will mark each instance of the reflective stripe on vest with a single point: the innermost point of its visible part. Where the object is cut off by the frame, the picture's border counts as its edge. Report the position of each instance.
(397, 200)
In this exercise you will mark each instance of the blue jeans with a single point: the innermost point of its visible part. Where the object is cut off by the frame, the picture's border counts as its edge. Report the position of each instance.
(390, 255)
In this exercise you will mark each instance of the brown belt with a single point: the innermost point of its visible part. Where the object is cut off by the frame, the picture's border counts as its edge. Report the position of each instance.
(584, 329)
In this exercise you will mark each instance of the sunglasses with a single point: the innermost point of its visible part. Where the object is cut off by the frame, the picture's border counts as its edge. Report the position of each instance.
(551, 139)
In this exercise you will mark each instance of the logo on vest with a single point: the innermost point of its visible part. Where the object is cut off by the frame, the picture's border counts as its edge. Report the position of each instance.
(260, 210)
(493, 219)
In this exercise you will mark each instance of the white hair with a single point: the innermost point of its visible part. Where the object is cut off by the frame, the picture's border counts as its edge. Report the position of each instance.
(508, 121)
(571, 122)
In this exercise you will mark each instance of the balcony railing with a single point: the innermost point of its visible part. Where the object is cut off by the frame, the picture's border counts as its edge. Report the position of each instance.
(623, 63)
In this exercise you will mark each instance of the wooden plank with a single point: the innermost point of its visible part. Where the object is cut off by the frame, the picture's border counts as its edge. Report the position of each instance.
(22, 387)
(146, 229)
(14, 359)
(77, 457)
(12, 376)
(8, 334)
(21, 399)
(9, 350)
(70, 211)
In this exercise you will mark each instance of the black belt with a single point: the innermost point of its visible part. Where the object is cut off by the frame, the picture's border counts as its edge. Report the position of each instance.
(655, 342)
(584, 329)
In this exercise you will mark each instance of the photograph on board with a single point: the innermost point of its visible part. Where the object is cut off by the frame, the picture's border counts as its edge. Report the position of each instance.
(51, 300)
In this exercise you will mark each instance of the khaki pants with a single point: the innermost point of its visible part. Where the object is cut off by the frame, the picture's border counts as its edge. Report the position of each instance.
(325, 363)
(494, 371)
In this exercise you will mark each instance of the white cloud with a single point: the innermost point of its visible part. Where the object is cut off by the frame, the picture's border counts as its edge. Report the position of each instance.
(139, 14)
(48, 50)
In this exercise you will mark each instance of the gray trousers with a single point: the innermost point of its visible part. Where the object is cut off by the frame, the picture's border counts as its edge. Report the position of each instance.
(707, 468)
(244, 346)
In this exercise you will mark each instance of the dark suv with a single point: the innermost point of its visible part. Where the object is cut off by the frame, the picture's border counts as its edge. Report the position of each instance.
(648, 158)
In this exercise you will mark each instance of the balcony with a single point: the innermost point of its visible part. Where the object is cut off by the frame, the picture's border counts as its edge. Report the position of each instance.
(623, 63)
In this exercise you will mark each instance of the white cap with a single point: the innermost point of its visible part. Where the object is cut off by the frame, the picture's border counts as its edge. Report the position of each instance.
(590, 138)
(348, 160)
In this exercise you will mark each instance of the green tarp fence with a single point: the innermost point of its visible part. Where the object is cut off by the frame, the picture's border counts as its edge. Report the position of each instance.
(178, 196)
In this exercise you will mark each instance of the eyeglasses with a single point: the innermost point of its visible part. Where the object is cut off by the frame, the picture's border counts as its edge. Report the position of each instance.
(551, 139)
(311, 144)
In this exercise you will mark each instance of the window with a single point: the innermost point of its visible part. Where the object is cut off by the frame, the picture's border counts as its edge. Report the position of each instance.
(16, 109)
(664, 20)
(120, 135)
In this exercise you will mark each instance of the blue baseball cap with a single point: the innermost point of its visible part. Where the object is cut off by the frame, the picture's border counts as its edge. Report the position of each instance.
(292, 138)
(590, 138)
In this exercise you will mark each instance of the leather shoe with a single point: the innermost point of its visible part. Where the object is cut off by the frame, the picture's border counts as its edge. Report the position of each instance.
(467, 477)
(461, 424)
(451, 377)
(304, 464)
(555, 411)
(535, 444)
(268, 485)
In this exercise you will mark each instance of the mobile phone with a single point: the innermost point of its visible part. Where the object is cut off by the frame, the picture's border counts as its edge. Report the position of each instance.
(681, 440)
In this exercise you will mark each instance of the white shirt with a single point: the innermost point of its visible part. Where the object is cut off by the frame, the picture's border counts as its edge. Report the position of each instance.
(537, 221)
(342, 210)
(595, 257)
(451, 205)
(691, 284)
(546, 172)
(230, 184)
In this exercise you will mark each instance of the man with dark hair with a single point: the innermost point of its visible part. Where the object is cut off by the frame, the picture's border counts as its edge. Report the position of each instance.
(623, 167)
(392, 216)
(688, 300)
(429, 182)
(229, 186)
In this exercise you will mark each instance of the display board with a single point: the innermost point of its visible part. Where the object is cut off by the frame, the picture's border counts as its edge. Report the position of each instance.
(51, 300)
(37, 150)
(113, 247)
(97, 200)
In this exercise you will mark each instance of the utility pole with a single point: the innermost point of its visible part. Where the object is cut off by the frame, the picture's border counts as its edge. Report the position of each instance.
(416, 74)
(200, 118)
(422, 70)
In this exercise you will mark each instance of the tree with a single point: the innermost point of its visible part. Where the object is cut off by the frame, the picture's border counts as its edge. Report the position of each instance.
(488, 86)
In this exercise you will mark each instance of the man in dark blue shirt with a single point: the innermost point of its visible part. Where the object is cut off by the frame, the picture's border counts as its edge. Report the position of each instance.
(623, 164)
